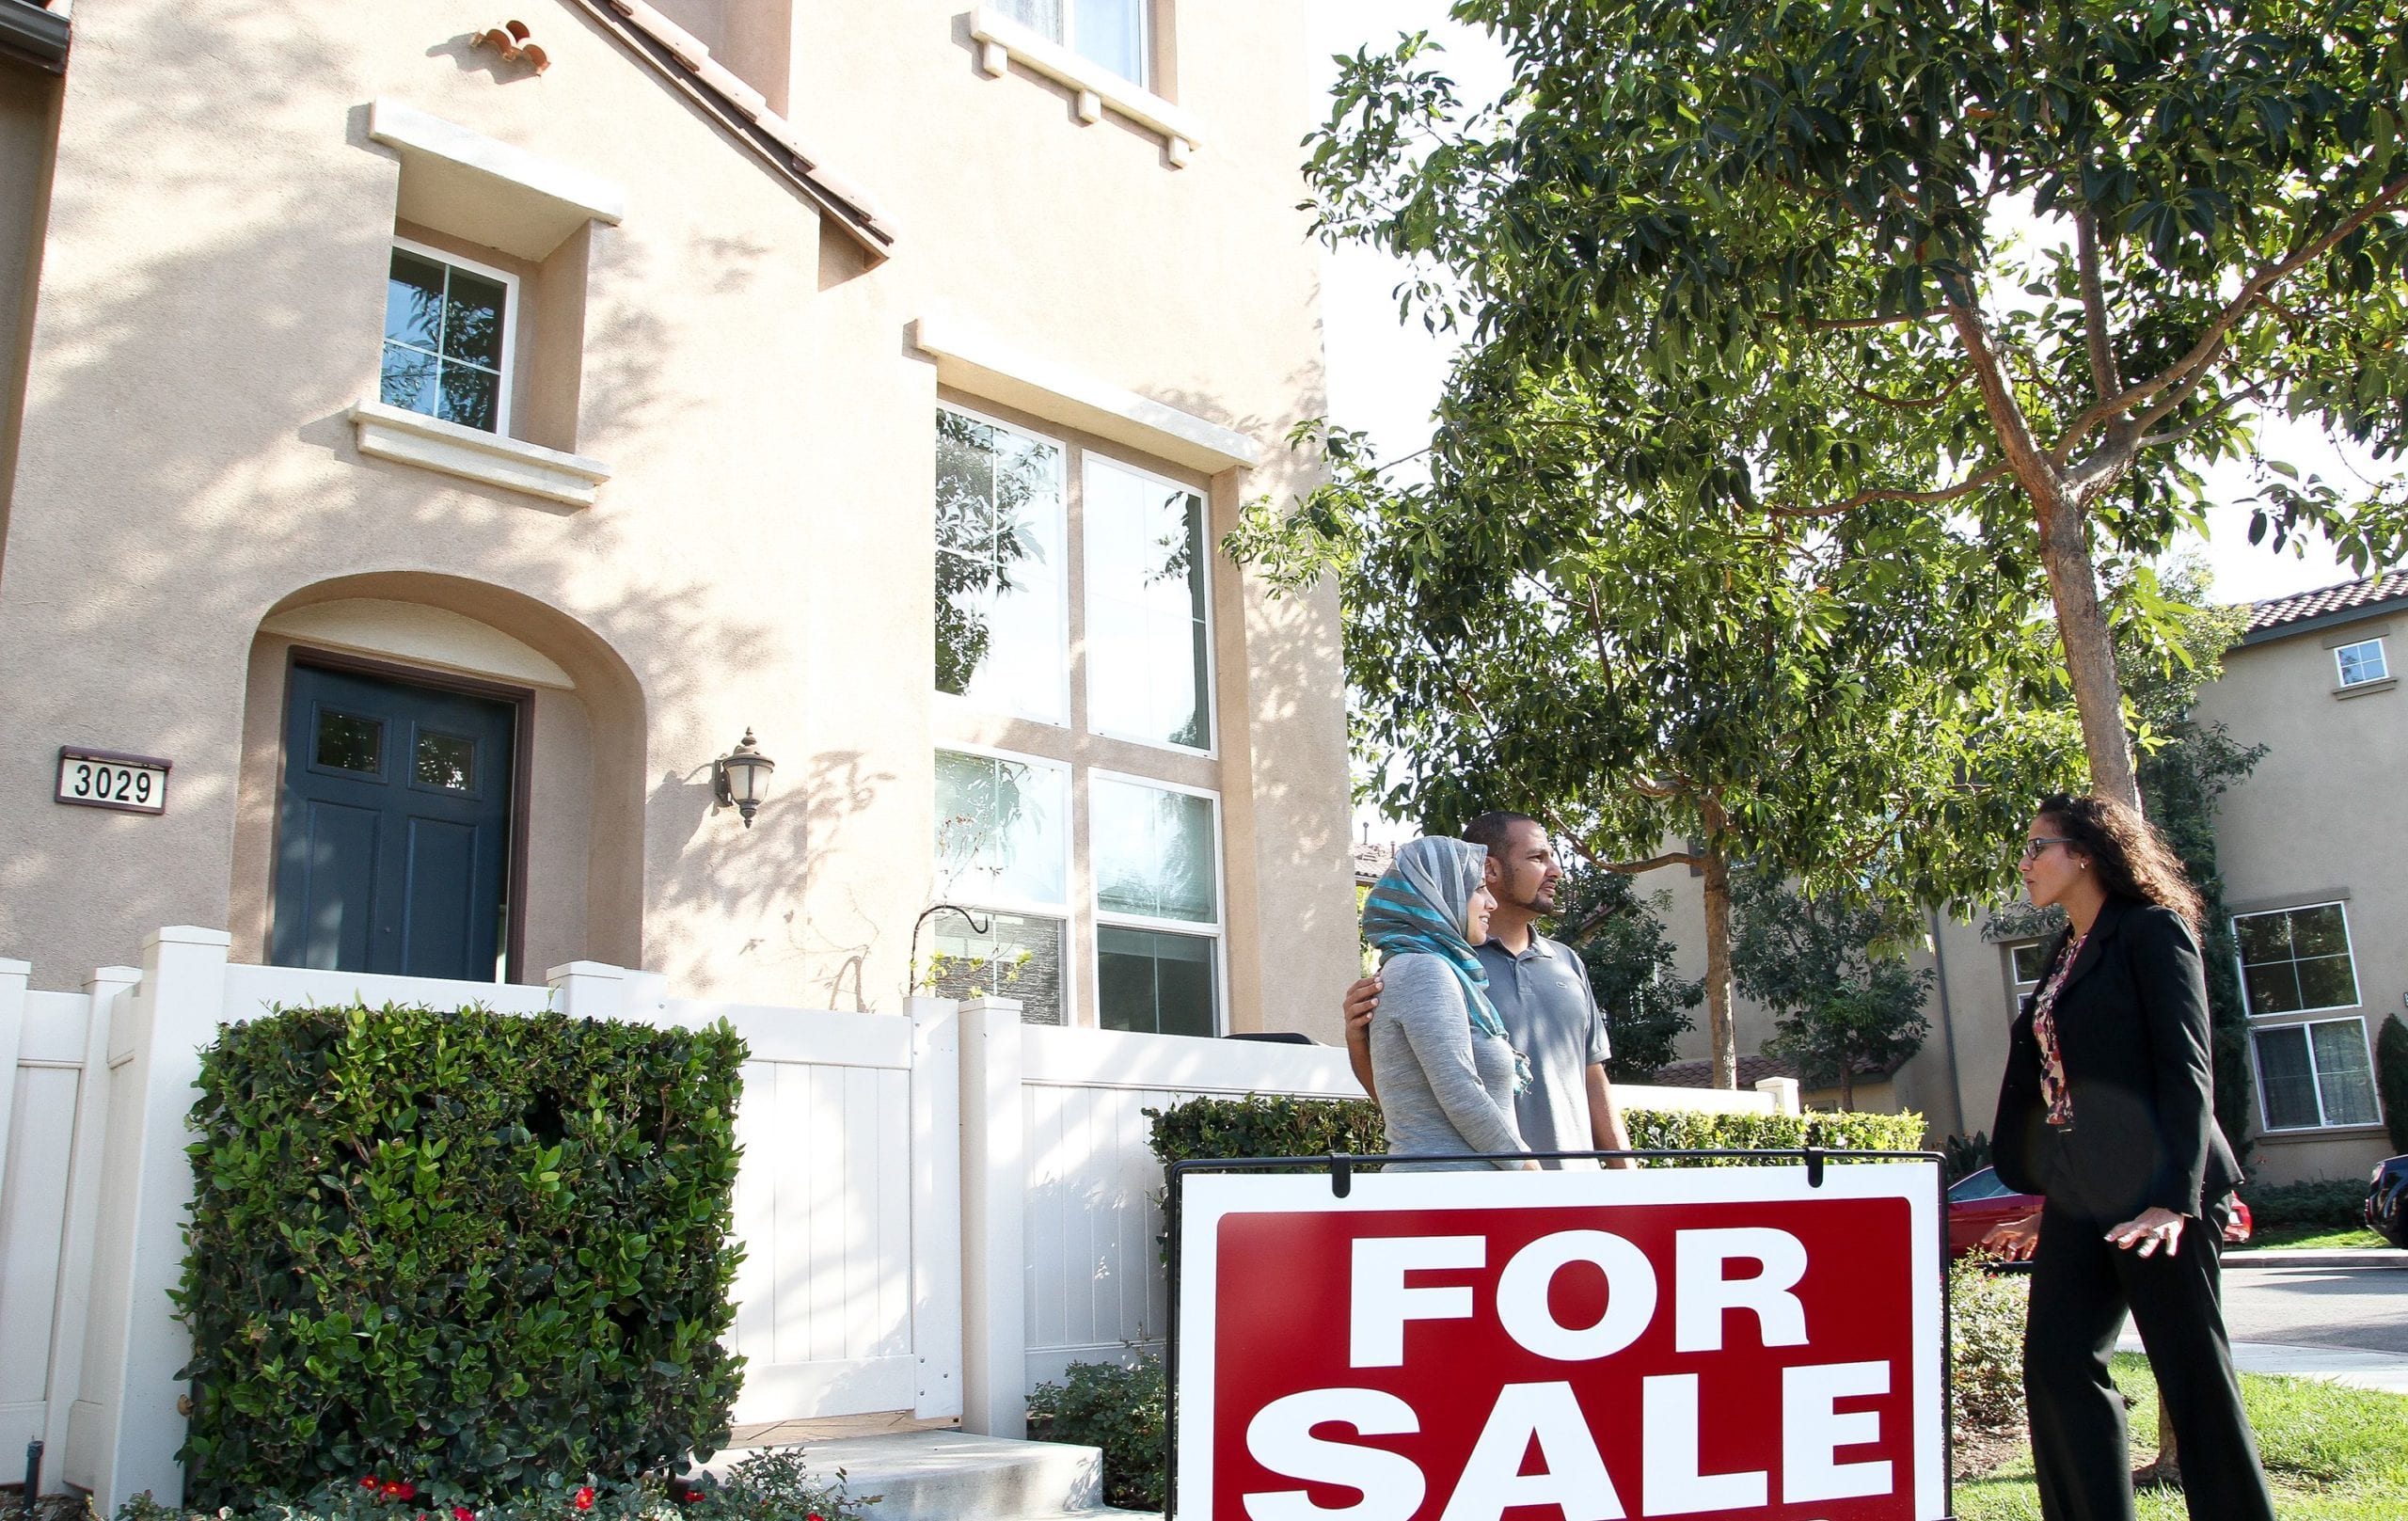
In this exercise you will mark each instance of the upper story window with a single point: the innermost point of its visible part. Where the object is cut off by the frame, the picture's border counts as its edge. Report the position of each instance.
(1001, 599)
(1149, 631)
(1109, 33)
(2361, 662)
(2293, 959)
(447, 338)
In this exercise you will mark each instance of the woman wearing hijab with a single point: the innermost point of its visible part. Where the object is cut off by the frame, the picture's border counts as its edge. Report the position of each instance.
(2107, 1111)
(1446, 1074)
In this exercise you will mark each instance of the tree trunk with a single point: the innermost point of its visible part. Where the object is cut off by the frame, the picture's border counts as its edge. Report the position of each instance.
(2089, 646)
(1718, 958)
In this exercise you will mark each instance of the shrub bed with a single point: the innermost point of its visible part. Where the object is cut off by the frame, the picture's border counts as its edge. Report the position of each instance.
(1986, 1314)
(2336, 1204)
(468, 1253)
(1123, 1411)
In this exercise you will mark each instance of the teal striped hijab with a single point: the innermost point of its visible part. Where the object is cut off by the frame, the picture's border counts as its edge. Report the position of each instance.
(1419, 905)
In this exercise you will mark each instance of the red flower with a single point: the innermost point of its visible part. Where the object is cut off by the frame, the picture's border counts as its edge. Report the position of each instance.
(398, 1489)
(370, 1481)
(584, 1499)
(461, 1513)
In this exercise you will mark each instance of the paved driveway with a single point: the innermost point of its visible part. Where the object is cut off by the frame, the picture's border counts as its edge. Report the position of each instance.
(2350, 1308)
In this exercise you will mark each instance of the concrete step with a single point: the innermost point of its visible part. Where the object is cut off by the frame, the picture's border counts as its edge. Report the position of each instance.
(954, 1476)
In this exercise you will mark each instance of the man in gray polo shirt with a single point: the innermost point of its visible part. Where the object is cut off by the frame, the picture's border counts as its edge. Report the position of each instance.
(1541, 991)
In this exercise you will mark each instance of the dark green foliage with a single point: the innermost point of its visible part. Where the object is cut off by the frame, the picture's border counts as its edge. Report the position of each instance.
(1261, 1127)
(468, 1250)
(1122, 1411)
(2391, 1078)
(2335, 1203)
(1633, 968)
(772, 1485)
(1845, 1003)
(1967, 1154)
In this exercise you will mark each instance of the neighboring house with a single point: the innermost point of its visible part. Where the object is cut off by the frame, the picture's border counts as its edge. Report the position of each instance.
(2316, 881)
(438, 447)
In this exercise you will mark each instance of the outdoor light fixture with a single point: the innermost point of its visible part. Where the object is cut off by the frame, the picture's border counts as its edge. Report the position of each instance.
(740, 777)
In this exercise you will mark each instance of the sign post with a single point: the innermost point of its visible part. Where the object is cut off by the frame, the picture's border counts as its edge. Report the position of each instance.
(1755, 1342)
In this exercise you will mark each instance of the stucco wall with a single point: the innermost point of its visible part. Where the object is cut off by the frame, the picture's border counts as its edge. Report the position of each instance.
(211, 305)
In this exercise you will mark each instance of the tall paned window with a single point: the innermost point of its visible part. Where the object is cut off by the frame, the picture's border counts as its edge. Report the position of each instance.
(2295, 959)
(1111, 33)
(1003, 853)
(447, 339)
(1158, 907)
(1001, 635)
(2315, 1075)
(1148, 624)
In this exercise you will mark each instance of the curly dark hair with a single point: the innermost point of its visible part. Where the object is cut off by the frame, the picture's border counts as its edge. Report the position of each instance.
(2132, 858)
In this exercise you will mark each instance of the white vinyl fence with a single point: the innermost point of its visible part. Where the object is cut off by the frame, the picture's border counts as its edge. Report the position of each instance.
(939, 1208)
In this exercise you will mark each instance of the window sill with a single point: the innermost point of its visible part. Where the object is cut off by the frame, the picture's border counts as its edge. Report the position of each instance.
(389, 433)
(1001, 39)
(2365, 688)
(2318, 1133)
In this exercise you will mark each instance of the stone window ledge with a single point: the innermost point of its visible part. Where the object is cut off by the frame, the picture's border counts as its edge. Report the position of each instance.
(390, 432)
(1001, 39)
(2366, 689)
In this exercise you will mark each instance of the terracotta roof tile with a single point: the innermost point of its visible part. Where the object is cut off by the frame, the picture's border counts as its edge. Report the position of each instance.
(2274, 612)
(1700, 1073)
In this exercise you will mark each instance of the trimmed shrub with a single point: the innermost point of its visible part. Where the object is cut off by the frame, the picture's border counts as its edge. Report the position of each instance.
(1283, 1127)
(1967, 1155)
(1121, 1410)
(1986, 1314)
(470, 1252)
(2335, 1203)
(2391, 1078)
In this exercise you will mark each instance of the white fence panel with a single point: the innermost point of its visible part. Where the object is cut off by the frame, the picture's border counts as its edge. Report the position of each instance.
(42, 1045)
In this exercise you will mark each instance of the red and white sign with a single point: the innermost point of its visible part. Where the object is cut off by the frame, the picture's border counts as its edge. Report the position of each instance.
(1591, 1346)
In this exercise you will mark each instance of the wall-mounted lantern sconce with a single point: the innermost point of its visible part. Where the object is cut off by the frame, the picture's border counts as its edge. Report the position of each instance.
(740, 777)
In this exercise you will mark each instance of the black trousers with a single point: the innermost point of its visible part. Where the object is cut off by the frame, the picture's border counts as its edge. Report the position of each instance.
(2080, 1288)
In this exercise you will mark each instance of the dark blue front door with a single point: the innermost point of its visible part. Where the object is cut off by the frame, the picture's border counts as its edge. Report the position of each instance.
(393, 830)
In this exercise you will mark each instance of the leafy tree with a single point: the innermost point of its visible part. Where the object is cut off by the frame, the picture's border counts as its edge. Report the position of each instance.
(1834, 976)
(1632, 969)
(1764, 256)
(1522, 632)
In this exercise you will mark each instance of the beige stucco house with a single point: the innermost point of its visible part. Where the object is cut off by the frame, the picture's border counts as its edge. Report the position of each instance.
(430, 446)
(2316, 881)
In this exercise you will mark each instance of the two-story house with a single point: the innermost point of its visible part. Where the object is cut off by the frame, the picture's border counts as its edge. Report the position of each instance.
(438, 434)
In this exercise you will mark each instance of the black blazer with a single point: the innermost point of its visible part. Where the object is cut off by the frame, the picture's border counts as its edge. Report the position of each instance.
(2133, 1024)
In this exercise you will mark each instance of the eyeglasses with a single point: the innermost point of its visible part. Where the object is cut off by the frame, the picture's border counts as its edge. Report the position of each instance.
(2038, 843)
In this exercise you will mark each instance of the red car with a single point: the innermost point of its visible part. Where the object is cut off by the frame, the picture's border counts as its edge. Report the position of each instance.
(1979, 1201)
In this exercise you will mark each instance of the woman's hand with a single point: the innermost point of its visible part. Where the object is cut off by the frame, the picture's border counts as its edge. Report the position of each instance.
(2015, 1240)
(2149, 1231)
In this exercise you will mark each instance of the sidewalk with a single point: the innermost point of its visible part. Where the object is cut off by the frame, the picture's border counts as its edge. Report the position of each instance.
(2387, 1371)
(2315, 1256)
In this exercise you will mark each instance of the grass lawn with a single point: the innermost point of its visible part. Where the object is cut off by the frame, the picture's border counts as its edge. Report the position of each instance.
(2352, 1236)
(2333, 1453)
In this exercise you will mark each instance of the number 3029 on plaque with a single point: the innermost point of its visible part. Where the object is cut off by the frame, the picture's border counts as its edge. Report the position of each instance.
(105, 779)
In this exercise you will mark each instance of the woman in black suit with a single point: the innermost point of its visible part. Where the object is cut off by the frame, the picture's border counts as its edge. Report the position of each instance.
(2107, 1111)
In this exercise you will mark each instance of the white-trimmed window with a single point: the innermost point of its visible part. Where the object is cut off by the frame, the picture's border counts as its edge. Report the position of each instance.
(1111, 34)
(2296, 961)
(448, 338)
(1003, 608)
(2314, 1076)
(2362, 662)
(2024, 964)
(1002, 833)
(1157, 855)
(1148, 608)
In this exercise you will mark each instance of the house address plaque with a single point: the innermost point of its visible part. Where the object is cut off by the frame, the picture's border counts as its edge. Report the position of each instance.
(107, 779)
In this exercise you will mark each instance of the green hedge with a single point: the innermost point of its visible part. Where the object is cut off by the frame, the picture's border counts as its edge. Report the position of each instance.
(2391, 1079)
(475, 1252)
(2338, 1203)
(1283, 1127)
(1122, 1412)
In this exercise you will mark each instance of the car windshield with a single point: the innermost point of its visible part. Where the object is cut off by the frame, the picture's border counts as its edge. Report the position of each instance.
(1980, 1185)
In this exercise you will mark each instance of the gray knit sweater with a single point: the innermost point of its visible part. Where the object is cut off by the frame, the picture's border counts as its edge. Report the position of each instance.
(1445, 1088)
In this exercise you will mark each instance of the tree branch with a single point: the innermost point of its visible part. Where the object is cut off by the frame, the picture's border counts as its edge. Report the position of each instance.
(1914, 402)
(2104, 379)
(1866, 497)
(1632, 868)
(1840, 325)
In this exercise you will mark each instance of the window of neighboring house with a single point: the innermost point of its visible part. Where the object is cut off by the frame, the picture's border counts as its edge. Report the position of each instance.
(2361, 662)
(1149, 628)
(1157, 854)
(2024, 964)
(447, 338)
(1003, 852)
(1111, 33)
(2294, 961)
(2311, 1076)
(1003, 639)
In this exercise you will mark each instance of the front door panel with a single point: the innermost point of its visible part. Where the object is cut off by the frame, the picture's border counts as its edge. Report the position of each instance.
(393, 830)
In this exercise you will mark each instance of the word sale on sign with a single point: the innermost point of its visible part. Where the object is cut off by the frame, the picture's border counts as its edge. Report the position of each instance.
(1522, 1346)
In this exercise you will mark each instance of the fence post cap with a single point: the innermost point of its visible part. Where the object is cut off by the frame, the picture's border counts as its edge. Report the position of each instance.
(11, 967)
(187, 935)
(587, 969)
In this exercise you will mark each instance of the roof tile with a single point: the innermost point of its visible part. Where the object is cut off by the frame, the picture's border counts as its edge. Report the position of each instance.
(2274, 612)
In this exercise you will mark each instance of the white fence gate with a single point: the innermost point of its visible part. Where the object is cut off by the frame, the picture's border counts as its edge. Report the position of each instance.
(939, 1208)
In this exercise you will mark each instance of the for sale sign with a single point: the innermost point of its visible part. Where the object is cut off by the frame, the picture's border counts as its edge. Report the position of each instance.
(1591, 1346)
